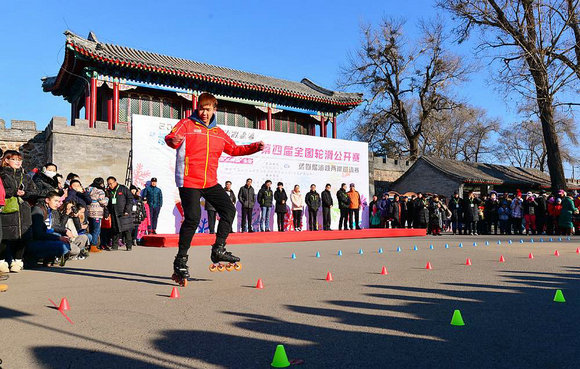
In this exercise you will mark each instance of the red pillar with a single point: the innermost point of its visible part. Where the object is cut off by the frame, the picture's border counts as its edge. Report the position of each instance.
(87, 103)
(193, 102)
(269, 125)
(115, 105)
(322, 126)
(93, 116)
(334, 127)
(110, 112)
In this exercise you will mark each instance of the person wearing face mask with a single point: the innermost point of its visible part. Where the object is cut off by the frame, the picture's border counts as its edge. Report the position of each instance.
(46, 181)
(16, 215)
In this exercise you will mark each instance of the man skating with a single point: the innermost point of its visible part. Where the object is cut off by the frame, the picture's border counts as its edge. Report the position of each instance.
(199, 143)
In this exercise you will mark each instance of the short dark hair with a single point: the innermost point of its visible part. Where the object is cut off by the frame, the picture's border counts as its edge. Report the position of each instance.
(342, 185)
(70, 176)
(268, 181)
(313, 185)
(75, 181)
(249, 179)
(52, 194)
(230, 182)
(328, 184)
(50, 165)
(111, 177)
(280, 184)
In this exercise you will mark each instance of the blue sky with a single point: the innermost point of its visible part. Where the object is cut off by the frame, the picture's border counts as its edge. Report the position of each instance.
(290, 40)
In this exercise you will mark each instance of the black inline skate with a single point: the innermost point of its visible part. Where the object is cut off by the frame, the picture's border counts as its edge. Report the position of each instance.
(180, 270)
(218, 255)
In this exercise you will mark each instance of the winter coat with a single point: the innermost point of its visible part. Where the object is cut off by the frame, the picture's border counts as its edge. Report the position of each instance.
(382, 206)
(421, 210)
(199, 148)
(516, 208)
(265, 197)
(455, 205)
(471, 209)
(44, 184)
(312, 199)
(40, 232)
(568, 208)
(395, 211)
(354, 197)
(281, 200)
(98, 203)
(436, 214)
(297, 200)
(17, 225)
(81, 198)
(530, 206)
(139, 213)
(491, 209)
(153, 196)
(231, 195)
(247, 197)
(326, 199)
(503, 213)
(124, 200)
(343, 199)
(542, 208)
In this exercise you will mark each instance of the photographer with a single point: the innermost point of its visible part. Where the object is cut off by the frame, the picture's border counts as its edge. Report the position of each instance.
(79, 239)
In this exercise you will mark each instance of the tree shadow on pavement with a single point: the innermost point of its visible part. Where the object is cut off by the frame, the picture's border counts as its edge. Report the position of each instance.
(58, 357)
(511, 324)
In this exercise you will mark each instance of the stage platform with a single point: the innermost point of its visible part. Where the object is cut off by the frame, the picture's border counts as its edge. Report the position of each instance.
(205, 239)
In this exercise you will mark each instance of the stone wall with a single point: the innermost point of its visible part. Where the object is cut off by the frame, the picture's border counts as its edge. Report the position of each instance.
(384, 171)
(24, 137)
(423, 178)
(88, 152)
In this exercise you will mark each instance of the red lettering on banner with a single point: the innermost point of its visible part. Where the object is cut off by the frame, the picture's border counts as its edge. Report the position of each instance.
(309, 152)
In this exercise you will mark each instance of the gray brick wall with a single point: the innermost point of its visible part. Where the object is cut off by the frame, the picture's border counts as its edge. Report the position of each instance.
(423, 178)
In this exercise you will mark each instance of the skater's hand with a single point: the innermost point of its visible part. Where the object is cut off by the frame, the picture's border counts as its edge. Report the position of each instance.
(260, 145)
(19, 193)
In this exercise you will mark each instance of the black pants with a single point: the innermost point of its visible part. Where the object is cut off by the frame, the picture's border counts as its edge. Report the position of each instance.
(312, 223)
(493, 224)
(540, 224)
(470, 226)
(517, 224)
(280, 218)
(247, 219)
(154, 212)
(326, 218)
(192, 211)
(125, 236)
(353, 216)
(211, 216)
(343, 221)
(297, 215)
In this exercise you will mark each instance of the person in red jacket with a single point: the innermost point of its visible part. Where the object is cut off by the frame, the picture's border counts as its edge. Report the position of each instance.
(199, 144)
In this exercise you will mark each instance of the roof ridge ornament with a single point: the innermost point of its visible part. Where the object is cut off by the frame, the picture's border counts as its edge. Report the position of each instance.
(92, 37)
(316, 87)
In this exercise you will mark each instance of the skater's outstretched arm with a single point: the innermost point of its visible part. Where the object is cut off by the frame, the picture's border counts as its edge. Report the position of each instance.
(232, 149)
(175, 138)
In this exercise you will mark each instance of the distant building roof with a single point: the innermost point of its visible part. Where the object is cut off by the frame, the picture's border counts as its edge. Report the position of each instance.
(483, 173)
(124, 57)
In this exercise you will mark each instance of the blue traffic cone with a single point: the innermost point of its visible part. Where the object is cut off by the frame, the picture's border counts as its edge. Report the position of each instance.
(380, 250)
(293, 256)
(460, 245)
(430, 247)
(415, 248)
(317, 254)
(486, 243)
(398, 249)
(498, 242)
(475, 244)
(339, 253)
(521, 241)
(510, 242)
(360, 251)
(446, 245)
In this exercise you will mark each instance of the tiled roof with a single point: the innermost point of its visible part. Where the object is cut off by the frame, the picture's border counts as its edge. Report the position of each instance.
(483, 173)
(157, 63)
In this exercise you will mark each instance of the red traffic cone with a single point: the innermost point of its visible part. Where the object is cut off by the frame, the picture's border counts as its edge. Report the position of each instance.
(530, 256)
(174, 293)
(260, 285)
(501, 259)
(329, 277)
(556, 253)
(428, 266)
(468, 261)
(578, 250)
(64, 306)
(384, 271)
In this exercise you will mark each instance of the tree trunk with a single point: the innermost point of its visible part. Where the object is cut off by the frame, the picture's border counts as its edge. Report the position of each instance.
(413, 147)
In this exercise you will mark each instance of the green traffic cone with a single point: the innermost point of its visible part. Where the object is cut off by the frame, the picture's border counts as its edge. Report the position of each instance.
(280, 359)
(559, 297)
(457, 319)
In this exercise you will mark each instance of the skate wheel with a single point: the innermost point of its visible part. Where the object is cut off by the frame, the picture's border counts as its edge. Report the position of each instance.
(238, 266)
(221, 268)
(229, 267)
(183, 283)
(213, 268)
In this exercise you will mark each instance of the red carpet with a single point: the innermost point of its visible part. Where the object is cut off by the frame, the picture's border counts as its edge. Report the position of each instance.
(170, 240)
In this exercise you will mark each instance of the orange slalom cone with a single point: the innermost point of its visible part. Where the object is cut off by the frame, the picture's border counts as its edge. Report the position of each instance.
(260, 284)
(556, 253)
(530, 256)
(384, 271)
(329, 277)
(468, 261)
(578, 250)
(428, 266)
(174, 293)
(501, 259)
(64, 306)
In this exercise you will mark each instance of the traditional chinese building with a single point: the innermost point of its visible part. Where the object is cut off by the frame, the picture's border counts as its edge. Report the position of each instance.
(106, 82)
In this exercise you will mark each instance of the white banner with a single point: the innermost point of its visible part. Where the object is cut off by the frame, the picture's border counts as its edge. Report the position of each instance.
(288, 158)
